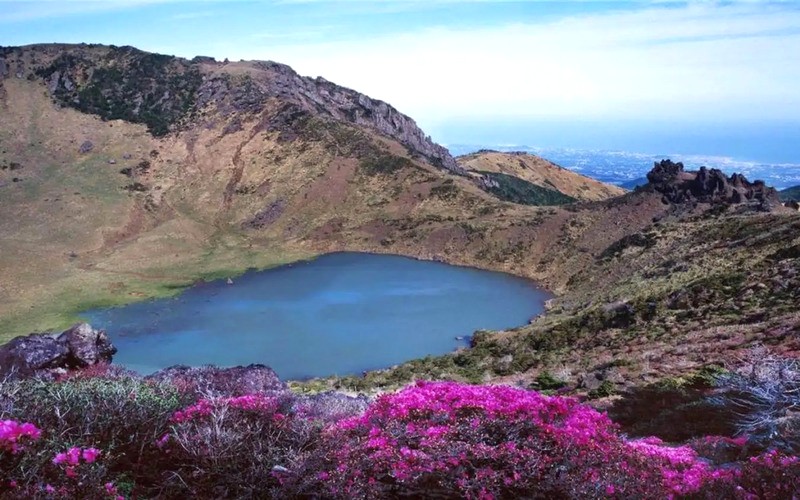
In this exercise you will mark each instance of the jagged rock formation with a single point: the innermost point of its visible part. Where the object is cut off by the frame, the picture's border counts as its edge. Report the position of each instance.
(46, 355)
(709, 186)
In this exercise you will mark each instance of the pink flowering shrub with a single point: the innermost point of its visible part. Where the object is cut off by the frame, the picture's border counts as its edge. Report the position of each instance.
(14, 438)
(82, 475)
(769, 476)
(119, 414)
(125, 438)
(491, 441)
(13, 435)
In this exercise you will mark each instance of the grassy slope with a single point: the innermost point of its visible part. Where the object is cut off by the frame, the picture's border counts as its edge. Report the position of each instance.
(75, 239)
(542, 173)
(792, 193)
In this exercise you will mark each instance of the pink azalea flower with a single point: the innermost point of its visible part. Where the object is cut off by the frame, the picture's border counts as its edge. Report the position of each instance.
(60, 458)
(90, 455)
(74, 455)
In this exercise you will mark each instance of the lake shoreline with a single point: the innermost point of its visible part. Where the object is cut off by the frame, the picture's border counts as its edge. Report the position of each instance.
(461, 277)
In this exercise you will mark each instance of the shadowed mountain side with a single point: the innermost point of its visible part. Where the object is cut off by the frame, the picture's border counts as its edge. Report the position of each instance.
(790, 194)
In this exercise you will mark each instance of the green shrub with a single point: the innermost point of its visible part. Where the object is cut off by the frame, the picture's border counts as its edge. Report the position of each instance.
(606, 389)
(546, 381)
(520, 191)
(384, 164)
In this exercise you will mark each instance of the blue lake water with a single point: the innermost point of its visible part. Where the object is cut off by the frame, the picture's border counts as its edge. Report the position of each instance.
(342, 313)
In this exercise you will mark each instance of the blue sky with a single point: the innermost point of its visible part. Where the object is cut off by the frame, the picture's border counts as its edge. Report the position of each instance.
(611, 75)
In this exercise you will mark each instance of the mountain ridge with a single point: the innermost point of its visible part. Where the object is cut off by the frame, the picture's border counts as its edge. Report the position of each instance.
(69, 69)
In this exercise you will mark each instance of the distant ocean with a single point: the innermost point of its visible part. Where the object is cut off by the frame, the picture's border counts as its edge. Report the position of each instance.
(770, 152)
(622, 167)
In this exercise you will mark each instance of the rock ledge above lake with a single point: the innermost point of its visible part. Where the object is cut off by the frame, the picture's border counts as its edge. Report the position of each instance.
(48, 355)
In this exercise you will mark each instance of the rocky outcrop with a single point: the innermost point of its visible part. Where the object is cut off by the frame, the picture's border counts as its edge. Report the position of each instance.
(86, 147)
(709, 186)
(319, 97)
(213, 380)
(267, 216)
(45, 355)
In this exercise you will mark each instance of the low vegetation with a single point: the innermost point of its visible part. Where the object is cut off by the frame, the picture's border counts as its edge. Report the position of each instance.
(135, 86)
(104, 433)
(516, 190)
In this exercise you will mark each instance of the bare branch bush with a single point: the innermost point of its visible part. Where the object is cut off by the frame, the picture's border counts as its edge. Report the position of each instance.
(763, 397)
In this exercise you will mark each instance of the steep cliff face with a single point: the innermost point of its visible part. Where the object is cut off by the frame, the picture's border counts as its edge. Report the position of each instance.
(166, 92)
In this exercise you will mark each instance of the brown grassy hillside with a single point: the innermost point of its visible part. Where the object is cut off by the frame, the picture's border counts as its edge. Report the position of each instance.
(541, 172)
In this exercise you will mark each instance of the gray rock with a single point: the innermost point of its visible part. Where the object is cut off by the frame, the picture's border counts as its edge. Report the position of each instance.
(45, 355)
(679, 186)
(203, 59)
(590, 381)
(86, 147)
(267, 216)
(87, 346)
(3, 68)
(52, 83)
(234, 381)
(25, 356)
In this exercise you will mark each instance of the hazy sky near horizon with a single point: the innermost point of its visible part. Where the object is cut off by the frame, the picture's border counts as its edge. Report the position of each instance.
(479, 61)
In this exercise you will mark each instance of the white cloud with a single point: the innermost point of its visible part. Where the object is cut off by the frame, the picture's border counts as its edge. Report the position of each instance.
(726, 61)
(28, 10)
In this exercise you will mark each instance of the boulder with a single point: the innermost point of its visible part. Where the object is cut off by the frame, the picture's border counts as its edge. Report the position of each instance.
(3, 69)
(216, 381)
(87, 346)
(86, 147)
(29, 355)
(40, 354)
(590, 381)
